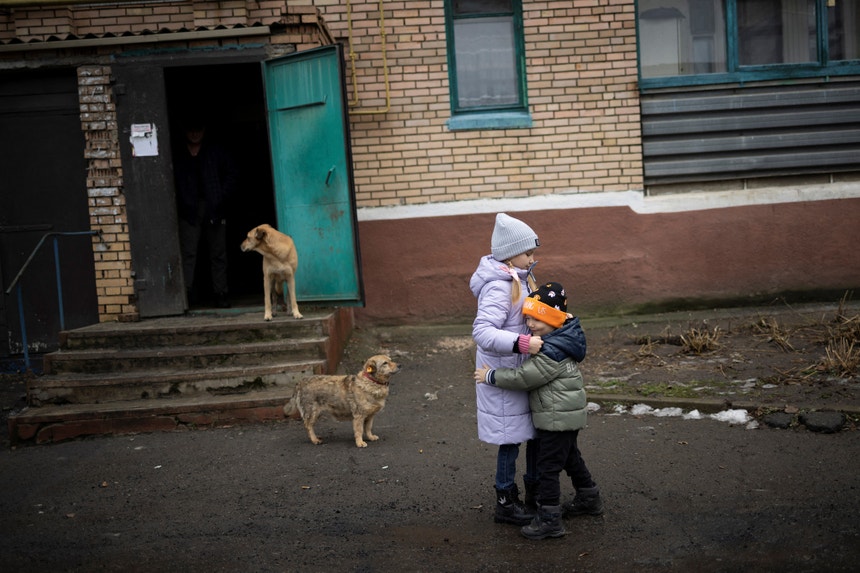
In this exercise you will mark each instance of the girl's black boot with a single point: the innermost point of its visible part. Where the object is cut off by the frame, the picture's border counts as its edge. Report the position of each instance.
(509, 509)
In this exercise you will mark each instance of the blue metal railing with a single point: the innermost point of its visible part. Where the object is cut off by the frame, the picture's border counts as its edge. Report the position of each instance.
(16, 284)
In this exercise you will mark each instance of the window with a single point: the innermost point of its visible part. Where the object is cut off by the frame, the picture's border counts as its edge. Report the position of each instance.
(843, 30)
(686, 42)
(486, 64)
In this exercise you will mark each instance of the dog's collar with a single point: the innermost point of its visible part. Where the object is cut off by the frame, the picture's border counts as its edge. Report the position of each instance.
(372, 379)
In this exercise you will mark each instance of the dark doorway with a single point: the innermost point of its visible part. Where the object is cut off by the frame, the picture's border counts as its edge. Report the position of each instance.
(231, 96)
(44, 189)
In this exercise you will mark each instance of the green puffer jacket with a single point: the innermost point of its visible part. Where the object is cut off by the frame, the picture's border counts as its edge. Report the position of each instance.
(557, 394)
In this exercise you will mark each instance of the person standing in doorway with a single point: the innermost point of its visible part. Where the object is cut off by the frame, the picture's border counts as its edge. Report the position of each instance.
(206, 177)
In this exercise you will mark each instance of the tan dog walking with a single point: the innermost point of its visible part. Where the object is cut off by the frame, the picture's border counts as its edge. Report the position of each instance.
(357, 397)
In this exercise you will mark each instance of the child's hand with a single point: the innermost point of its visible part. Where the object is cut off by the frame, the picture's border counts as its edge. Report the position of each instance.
(535, 343)
(481, 374)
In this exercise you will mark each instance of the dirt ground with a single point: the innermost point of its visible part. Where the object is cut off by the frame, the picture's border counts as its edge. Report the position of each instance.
(762, 358)
(767, 358)
(680, 495)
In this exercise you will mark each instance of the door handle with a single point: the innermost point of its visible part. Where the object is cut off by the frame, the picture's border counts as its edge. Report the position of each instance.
(328, 177)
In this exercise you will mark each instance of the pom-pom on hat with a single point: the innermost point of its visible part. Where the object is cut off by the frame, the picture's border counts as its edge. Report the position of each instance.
(548, 304)
(511, 237)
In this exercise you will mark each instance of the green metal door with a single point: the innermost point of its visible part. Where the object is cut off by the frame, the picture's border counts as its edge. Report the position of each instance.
(312, 172)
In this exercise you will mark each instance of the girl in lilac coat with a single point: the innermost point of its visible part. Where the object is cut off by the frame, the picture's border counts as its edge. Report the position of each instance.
(501, 283)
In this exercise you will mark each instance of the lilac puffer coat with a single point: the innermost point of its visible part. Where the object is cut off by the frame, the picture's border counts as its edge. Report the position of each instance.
(503, 415)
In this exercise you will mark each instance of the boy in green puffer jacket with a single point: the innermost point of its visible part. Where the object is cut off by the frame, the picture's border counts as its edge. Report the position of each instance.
(558, 404)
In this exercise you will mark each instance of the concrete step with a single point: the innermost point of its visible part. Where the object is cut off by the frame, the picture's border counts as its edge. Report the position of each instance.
(101, 388)
(197, 330)
(63, 422)
(183, 357)
(222, 368)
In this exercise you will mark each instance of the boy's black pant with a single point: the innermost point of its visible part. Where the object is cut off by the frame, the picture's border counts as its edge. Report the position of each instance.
(558, 451)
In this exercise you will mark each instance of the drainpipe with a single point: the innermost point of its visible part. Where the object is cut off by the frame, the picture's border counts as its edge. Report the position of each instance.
(355, 101)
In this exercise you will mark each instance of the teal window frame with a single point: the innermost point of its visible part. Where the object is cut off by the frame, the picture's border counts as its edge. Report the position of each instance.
(740, 74)
(511, 116)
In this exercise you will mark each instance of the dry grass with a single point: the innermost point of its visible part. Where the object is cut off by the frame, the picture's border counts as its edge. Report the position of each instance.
(648, 344)
(847, 327)
(693, 341)
(646, 347)
(824, 346)
(664, 338)
(773, 332)
(842, 346)
(838, 334)
(842, 358)
(700, 340)
(841, 312)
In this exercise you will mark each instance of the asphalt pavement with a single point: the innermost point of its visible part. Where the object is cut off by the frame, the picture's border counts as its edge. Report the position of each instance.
(681, 495)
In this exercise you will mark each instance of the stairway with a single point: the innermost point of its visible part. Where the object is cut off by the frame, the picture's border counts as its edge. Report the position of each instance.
(205, 369)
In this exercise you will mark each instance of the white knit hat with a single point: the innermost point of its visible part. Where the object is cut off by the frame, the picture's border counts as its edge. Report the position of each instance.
(511, 237)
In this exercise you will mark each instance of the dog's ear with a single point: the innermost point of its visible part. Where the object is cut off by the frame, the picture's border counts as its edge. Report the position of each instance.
(260, 234)
(370, 367)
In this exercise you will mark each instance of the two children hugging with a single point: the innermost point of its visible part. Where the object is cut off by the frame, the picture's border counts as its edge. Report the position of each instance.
(558, 406)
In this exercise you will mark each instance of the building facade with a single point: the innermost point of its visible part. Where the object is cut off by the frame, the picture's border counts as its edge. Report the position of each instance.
(690, 152)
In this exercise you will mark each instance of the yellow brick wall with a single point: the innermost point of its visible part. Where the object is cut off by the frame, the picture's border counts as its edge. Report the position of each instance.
(111, 248)
(582, 93)
(581, 81)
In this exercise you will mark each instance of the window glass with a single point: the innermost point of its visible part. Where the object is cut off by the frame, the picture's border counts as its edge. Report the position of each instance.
(776, 32)
(486, 62)
(463, 7)
(681, 37)
(843, 25)
(693, 42)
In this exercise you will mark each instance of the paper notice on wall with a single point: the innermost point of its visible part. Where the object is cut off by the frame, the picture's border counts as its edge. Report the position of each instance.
(144, 140)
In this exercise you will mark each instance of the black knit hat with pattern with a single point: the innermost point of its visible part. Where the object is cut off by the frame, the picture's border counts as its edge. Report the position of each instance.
(548, 304)
(551, 294)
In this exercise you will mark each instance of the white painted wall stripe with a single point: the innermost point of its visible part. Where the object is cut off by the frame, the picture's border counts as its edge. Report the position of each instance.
(635, 200)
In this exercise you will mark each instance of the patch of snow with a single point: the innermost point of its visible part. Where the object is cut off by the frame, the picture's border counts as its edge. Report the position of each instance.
(733, 417)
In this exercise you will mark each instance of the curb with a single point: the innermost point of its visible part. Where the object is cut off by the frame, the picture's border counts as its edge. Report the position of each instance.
(828, 419)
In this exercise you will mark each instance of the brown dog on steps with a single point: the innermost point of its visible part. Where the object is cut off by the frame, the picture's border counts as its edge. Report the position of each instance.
(280, 261)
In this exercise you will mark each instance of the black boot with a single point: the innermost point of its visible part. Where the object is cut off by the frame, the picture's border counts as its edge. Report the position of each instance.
(509, 509)
(530, 500)
(587, 501)
(547, 523)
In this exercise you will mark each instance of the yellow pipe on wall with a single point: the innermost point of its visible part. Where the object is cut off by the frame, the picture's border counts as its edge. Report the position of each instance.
(355, 101)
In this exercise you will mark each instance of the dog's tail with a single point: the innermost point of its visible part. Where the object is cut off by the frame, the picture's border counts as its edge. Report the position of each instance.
(291, 408)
